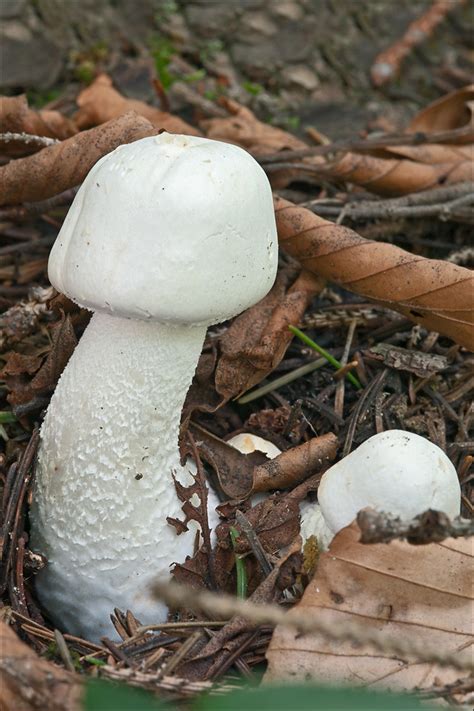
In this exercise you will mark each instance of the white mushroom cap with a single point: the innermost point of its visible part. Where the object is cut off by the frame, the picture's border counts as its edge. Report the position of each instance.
(397, 472)
(247, 443)
(179, 213)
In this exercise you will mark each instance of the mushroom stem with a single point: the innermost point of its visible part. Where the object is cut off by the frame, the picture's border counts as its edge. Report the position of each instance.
(109, 446)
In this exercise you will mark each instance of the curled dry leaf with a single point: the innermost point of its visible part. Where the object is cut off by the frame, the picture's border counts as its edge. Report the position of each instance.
(243, 128)
(29, 683)
(295, 465)
(395, 177)
(233, 469)
(100, 102)
(450, 112)
(64, 165)
(17, 117)
(257, 339)
(436, 294)
(410, 592)
(430, 153)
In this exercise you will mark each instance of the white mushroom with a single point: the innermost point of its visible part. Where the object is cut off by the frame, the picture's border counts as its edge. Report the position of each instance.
(165, 237)
(397, 472)
(247, 443)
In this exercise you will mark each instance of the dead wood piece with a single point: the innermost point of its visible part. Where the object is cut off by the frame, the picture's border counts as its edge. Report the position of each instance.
(429, 527)
(64, 165)
(436, 294)
(417, 362)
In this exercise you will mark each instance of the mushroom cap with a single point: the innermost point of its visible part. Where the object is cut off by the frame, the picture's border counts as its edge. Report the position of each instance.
(176, 228)
(247, 443)
(395, 471)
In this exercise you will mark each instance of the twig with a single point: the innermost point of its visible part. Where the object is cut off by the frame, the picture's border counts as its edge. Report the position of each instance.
(176, 659)
(177, 596)
(30, 209)
(27, 138)
(282, 380)
(367, 396)
(429, 527)
(369, 144)
(439, 202)
(387, 63)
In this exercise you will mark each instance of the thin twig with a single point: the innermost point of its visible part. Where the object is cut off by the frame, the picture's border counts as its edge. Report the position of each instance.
(369, 144)
(27, 139)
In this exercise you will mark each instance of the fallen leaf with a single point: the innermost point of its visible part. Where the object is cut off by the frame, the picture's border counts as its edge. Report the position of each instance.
(243, 128)
(394, 177)
(296, 464)
(430, 153)
(17, 117)
(434, 293)
(257, 339)
(452, 111)
(29, 683)
(44, 381)
(233, 469)
(64, 165)
(100, 102)
(424, 592)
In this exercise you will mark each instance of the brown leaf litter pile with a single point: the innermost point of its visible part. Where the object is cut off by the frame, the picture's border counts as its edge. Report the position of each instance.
(400, 320)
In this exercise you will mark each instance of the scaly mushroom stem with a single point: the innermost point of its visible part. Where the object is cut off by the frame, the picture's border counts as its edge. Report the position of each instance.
(109, 446)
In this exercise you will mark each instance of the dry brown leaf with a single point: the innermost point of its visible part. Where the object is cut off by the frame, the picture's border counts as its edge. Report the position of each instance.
(430, 153)
(257, 339)
(452, 111)
(22, 390)
(295, 465)
(436, 294)
(29, 683)
(394, 177)
(17, 117)
(64, 165)
(100, 102)
(419, 592)
(233, 469)
(243, 128)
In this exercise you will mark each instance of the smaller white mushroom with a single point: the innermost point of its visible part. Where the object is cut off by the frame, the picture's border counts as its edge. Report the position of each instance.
(397, 472)
(247, 443)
